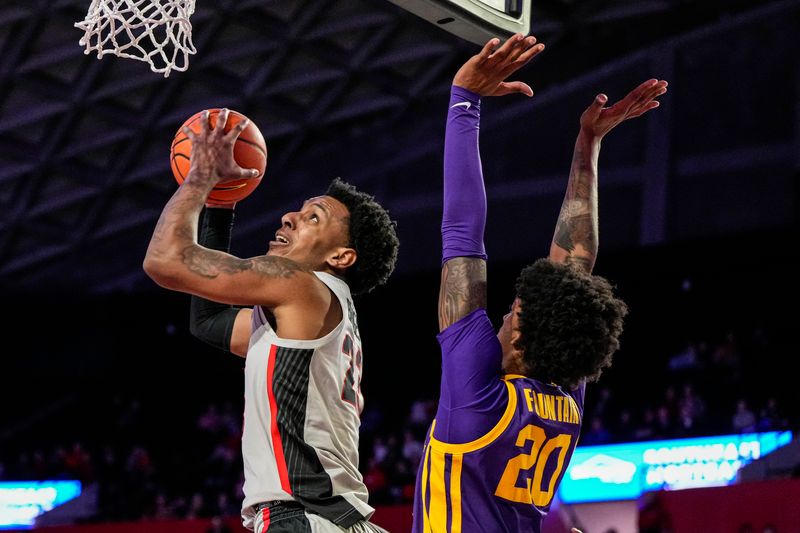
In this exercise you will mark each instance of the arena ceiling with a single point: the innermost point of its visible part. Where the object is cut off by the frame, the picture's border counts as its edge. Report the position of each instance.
(352, 88)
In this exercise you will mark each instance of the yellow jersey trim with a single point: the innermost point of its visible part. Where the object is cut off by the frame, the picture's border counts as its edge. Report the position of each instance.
(492, 435)
(425, 519)
(438, 505)
(455, 493)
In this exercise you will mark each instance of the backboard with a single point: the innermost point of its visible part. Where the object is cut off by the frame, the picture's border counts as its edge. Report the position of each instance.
(476, 21)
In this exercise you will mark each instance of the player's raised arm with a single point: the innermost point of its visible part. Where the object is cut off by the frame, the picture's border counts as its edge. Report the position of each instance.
(176, 261)
(576, 235)
(463, 283)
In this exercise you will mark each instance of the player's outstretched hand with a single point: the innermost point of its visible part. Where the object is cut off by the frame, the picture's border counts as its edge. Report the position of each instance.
(212, 150)
(598, 120)
(485, 73)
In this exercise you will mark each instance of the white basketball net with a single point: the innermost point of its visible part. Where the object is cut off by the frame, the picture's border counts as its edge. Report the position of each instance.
(155, 31)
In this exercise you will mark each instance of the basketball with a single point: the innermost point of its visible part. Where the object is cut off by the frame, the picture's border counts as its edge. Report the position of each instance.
(249, 151)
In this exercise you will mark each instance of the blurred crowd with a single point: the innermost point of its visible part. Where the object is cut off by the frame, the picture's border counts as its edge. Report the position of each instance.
(150, 466)
(705, 391)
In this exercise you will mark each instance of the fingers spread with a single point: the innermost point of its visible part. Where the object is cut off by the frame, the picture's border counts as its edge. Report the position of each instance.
(502, 52)
(515, 61)
(486, 51)
(239, 128)
(222, 120)
(520, 45)
(531, 52)
(204, 120)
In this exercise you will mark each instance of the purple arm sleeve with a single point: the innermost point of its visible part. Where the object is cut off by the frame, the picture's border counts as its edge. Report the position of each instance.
(464, 217)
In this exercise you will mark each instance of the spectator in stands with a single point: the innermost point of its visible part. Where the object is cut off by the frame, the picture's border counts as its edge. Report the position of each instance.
(744, 420)
(686, 423)
(624, 429)
(412, 449)
(691, 402)
(78, 464)
(379, 449)
(670, 402)
(770, 417)
(603, 406)
(218, 526)
(376, 481)
(210, 420)
(664, 425)
(162, 509)
(645, 430)
(726, 357)
(691, 412)
(225, 506)
(197, 507)
(687, 359)
(597, 432)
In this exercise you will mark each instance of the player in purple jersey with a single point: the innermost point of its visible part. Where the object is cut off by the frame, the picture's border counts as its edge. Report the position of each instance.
(511, 401)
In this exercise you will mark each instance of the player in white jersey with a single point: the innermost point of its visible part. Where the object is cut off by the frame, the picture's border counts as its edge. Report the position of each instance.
(291, 314)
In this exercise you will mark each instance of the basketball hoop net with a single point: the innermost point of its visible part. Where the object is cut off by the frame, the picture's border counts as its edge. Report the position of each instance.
(156, 31)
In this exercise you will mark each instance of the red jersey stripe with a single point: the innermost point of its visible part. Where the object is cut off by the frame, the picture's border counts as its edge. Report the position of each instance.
(276, 435)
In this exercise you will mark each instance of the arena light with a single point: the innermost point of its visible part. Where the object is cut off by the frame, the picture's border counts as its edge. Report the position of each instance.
(21, 502)
(625, 471)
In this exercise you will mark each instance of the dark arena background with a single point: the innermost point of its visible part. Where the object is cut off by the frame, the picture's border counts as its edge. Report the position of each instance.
(101, 382)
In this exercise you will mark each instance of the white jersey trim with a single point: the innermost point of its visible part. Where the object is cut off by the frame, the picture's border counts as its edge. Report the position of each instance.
(307, 343)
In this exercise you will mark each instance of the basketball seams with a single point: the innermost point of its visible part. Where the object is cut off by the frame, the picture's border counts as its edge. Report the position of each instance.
(177, 142)
(177, 165)
(253, 144)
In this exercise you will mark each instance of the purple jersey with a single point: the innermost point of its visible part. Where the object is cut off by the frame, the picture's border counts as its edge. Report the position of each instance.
(499, 445)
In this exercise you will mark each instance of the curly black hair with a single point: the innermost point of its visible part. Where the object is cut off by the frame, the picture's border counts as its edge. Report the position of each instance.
(569, 323)
(372, 234)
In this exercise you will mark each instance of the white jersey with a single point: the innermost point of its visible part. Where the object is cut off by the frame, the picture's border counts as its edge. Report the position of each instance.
(301, 418)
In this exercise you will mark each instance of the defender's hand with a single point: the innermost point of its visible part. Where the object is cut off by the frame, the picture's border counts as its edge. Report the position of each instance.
(485, 73)
(212, 151)
(597, 120)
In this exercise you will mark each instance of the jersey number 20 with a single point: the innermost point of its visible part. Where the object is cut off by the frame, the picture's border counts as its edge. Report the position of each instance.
(541, 449)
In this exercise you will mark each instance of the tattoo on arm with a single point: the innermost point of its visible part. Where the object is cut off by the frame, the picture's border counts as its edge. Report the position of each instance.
(576, 229)
(572, 231)
(211, 264)
(178, 219)
(462, 290)
(584, 263)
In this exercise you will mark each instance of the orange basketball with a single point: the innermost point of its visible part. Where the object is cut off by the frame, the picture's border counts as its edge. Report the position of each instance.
(250, 151)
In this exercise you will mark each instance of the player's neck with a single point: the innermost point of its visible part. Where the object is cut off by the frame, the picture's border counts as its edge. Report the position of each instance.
(512, 364)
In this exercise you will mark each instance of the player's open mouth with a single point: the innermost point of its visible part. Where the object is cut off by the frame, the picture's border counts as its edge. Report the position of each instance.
(280, 240)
